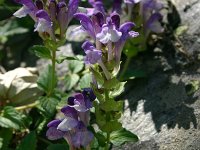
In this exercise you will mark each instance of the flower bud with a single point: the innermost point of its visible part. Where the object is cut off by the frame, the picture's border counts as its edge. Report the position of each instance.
(39, 4)
(62, 17)
(52, 10)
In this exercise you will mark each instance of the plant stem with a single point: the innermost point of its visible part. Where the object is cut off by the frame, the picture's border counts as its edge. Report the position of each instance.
(108, 141)
(128, 60)
(53, 70)
(27, 106)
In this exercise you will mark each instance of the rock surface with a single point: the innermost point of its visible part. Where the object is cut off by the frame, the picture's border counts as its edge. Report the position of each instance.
(159, 108)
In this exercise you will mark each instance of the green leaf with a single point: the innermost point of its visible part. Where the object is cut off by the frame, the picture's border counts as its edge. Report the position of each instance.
(9, 28)
(41, 51)
(12, 119)
(5, 137)
(120, 137)
(101, 139)
(118, 89)
(98, 76)
(181, 29)
(49, 104)
(62, 58)
(112, 83)
(85, 81)
(29, 142)
(58, 147)
(192, 87)
(7, 123)
(112, 105)
(76, 66)
(14, 116)
(71, 80)
(111, 126)
(100, 97)
(45, 81)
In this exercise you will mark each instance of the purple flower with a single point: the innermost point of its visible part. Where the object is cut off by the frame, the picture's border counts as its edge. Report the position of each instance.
(81, 104)
(126, 34)
(151, 16)
(87, 24)
(88, 94)
(153, 23)
(132, 1)
(73, 127)
(117, 6)
(110, 32)
(65, 14)
(52, 9)
(151, 4)
(53, 133)
(39, 4)
(82, 137)
(92, 54)
(71, 119)
(29, 8)
(97, 5)
(43, 23)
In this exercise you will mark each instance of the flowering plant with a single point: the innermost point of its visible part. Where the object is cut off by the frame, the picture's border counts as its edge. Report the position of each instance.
(91, 116)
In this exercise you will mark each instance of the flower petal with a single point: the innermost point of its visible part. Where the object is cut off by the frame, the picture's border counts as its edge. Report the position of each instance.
(115, 19)
(67, 124)
(125, 28)
(92, 57)
(28, 3)
(117, 6)
(54, 134)
(44, 23)
(87, 46)
(72, 8)
(153, 23)
(86, 23)
(82, 138)
(69, 111)
(54, 123)
(22, 12)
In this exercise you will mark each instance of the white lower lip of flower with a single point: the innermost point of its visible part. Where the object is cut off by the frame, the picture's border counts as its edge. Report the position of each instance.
(67, 124)
(110, 35)
(22, 12)
(43, 26)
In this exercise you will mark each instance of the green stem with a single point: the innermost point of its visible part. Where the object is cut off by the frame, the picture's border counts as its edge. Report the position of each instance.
(27, 106)
(128, 60)
(108, 141)
(53, 71)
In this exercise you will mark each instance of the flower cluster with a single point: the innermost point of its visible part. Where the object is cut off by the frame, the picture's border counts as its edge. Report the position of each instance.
(149, 12)
(49, 15)
(108, 35)
(73, 127)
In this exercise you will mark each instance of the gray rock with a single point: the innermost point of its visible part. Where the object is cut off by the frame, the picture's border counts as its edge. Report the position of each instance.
(190, 16)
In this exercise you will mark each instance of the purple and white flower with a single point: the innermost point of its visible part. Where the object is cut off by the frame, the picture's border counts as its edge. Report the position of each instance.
(28, 8)
(53, 133)
(93, 55)
(74, 126)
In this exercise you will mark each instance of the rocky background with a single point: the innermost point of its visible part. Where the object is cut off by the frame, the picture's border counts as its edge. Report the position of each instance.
(162, 107)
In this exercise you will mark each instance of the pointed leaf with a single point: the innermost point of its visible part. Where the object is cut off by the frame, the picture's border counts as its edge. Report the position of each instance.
(120, 137)
(71, 80)
(41, 51)
(29, 142)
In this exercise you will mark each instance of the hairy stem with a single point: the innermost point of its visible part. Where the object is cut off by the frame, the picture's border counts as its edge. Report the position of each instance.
(53, 70)
(108, 141)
